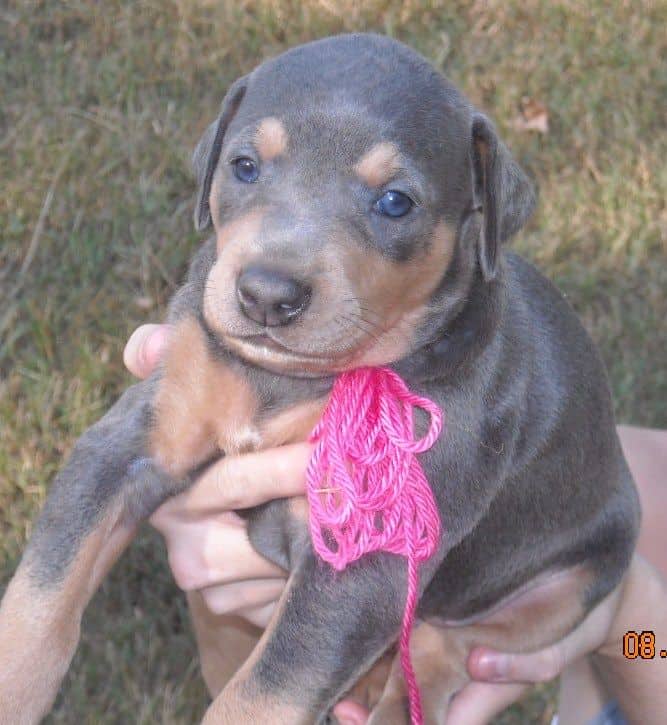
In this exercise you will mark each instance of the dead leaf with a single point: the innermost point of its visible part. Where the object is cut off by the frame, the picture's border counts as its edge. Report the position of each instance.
(534, 116)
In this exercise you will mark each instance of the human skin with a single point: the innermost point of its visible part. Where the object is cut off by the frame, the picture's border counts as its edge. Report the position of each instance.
(209, 552)
(200, 523)
(587, 682)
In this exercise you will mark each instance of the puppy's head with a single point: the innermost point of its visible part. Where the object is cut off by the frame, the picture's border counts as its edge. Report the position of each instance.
(354, 194)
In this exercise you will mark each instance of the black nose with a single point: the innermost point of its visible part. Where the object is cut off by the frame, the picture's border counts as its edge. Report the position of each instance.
(271, 297)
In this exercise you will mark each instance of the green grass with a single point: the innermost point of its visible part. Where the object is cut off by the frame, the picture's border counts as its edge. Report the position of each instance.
(101, 107)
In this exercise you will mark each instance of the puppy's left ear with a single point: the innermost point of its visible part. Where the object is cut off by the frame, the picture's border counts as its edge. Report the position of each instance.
(206, 155)
(501, 190)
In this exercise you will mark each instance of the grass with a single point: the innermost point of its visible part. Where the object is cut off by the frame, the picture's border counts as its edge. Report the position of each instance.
(101, 107)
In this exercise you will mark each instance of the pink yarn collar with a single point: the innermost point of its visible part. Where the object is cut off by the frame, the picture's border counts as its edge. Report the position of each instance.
(366, 489)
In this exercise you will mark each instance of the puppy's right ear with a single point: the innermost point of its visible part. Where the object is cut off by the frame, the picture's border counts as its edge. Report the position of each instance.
(207, 153)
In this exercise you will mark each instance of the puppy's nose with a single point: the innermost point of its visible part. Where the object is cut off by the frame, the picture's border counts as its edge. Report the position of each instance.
(271, 297)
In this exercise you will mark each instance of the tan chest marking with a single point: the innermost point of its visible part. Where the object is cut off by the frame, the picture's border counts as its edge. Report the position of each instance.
(292, 425)
(202, 406)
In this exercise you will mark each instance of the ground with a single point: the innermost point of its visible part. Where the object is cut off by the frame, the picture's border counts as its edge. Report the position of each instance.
(101, 107)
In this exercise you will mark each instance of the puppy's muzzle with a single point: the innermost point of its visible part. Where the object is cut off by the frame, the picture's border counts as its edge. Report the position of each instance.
(270, 297)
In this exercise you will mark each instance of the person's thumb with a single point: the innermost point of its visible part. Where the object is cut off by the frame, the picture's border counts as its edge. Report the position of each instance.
(145, 348)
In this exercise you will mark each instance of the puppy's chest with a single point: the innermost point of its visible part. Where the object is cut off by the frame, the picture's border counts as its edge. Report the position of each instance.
(205, 406)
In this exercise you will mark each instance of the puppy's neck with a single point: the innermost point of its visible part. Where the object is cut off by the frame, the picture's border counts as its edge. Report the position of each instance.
(454, 340)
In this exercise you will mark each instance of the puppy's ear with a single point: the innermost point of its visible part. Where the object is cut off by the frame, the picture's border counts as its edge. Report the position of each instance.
(207, 153)
(501, 190)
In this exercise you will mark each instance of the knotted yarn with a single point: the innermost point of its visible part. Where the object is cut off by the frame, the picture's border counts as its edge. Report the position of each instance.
(367, 490)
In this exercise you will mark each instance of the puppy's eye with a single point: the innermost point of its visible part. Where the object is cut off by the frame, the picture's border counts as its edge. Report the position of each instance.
(394, 204)
(245, 170)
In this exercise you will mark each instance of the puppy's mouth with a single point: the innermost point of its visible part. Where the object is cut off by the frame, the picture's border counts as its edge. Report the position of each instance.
(266, 351)
(268, 341)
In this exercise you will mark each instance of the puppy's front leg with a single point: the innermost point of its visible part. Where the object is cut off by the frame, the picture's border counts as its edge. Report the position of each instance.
(328, 629)
(90, 516)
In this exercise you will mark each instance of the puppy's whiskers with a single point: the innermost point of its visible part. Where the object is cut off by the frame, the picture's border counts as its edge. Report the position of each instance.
(357, 323)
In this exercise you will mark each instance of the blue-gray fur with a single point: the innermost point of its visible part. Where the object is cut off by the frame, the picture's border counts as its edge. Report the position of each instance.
(529, 475)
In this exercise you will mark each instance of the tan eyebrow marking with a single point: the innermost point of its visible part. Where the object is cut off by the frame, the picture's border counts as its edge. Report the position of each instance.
(378, 164)
(271, 138)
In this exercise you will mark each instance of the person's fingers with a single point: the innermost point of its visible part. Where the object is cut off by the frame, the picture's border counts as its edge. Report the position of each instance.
(645, 451)
(478, 702)
(242, 596)
(145, 348)
(238, 482)
(259, 616)
(349, 712)
(475, 704)
(489, 665)
(214, 550)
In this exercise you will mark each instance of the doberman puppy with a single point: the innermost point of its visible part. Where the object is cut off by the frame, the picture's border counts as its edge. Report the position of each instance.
(359, 204)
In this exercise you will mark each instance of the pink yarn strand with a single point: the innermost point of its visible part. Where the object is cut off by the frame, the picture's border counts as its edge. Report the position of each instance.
(367, 490)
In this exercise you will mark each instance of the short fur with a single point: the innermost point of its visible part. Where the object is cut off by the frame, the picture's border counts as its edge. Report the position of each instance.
(529, 476)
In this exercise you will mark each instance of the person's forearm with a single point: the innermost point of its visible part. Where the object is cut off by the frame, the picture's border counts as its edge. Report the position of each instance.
(639, 683)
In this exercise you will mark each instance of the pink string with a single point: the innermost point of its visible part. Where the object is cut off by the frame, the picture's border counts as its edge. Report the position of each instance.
(367, 490)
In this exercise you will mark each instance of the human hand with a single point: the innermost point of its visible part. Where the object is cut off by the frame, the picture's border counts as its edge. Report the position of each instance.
(499, 679)
(209, 551)
(639, 605)
(207, 542)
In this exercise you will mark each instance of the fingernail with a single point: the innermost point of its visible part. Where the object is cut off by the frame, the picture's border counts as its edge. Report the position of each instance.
(348, 712)
(347, 720)
(143, 349)
(132, 351)
(153, 346)
(493, 667)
